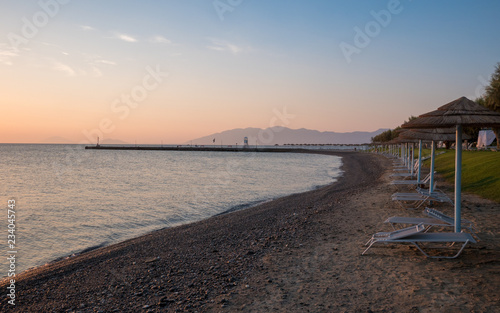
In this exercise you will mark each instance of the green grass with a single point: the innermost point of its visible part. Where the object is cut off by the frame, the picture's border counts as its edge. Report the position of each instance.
(480, 171)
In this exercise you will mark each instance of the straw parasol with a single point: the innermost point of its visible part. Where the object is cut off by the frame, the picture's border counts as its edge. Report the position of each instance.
(437, 134)
(462, 111)
(458, 113)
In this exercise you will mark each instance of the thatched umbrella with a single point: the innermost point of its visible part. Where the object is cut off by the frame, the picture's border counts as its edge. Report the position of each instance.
(437, 134)
(458, 113)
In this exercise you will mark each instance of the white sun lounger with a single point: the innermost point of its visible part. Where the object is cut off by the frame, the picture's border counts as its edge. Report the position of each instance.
(433, 213)
(435, 219)
(404, 171)
(420, 197)
(415, 236)
(419, 190)
(426, 221)
(400, 233)
(412, 181)
(404, 174)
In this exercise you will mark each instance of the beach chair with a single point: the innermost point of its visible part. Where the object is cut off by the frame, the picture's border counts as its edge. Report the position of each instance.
(405, 171)
(420, 197)
(399, 233)
(424, 181)
(428, 222)
(404, 174)
(433, 213)
(416, 236)
(421, 191)
(435, 219)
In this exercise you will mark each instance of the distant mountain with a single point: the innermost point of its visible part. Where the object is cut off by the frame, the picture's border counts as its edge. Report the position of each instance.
(284, 135)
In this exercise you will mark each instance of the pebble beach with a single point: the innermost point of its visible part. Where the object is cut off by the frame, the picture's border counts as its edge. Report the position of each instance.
(299, 253)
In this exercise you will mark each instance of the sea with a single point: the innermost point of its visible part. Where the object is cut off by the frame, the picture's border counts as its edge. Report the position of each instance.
(65, 199)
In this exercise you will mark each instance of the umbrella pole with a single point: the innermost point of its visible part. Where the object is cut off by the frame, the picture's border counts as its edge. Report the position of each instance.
(408, 155)
(458, 179)
(412, 160)
(431, 182)
(419, 161)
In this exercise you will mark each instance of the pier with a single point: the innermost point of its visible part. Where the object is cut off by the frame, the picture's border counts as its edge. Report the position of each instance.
(222, 148)
(197, 148)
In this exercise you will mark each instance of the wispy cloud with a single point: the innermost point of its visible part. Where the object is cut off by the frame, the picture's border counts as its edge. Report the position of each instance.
(159, 39)
(87, 28)
(96, 62)
(224, 46)
(7, 54)
(105, 62)
(66, 69)
(125, 37)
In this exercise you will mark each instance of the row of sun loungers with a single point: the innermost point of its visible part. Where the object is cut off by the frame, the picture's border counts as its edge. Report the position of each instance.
(419, 234)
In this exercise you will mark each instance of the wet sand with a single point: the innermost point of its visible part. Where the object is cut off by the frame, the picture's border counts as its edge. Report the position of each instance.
(300, 253)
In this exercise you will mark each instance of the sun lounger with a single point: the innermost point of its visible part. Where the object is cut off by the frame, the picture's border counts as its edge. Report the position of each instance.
(428, 222)
(423, 192)
(435, 219)
(420, 197)
(420, 190)
(417, 237)
(433, 213)
(412, 182)
(418, 200)
(404, 171)
(404, 174)
(400, 233)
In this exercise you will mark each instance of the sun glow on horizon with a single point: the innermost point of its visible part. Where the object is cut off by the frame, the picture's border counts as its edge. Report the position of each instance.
(175, 71)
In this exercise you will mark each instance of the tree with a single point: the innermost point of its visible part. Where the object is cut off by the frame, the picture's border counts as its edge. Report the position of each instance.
(492, 98)
(389, 134)
(473, 131)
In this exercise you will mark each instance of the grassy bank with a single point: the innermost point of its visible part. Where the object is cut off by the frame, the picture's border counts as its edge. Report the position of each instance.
(480, 171)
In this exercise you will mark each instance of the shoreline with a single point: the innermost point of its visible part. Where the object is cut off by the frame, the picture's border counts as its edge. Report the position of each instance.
(47, 269)
(296, 253)
(235, 208)
(231, 209)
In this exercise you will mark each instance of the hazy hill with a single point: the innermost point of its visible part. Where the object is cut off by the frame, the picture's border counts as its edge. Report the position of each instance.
(283, 135)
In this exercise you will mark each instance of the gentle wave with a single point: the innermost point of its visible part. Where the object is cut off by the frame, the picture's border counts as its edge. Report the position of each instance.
(70, 199)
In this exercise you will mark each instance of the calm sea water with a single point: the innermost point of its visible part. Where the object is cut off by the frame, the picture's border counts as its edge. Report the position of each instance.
(69, 199)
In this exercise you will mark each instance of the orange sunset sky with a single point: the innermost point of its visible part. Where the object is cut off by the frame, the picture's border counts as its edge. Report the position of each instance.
(173, 71)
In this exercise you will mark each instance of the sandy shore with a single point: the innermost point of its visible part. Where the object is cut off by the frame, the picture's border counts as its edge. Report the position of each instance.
(300, 253)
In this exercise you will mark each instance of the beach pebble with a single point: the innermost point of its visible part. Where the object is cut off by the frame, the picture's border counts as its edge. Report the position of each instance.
(152, 260)
(165, 301)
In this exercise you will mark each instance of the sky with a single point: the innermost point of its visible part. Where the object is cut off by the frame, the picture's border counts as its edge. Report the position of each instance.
(171, 71)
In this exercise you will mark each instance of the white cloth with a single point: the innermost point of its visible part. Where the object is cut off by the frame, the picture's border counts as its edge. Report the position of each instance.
(485, 138)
